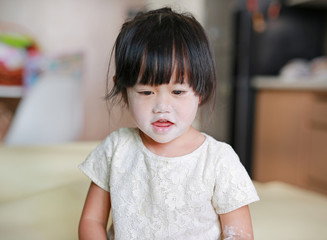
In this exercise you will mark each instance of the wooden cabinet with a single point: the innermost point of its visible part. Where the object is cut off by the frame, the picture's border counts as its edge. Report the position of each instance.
(10, 97)
(317, 142)
(290, 138)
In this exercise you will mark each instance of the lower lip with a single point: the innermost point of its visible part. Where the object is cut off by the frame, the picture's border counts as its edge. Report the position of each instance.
(162, 127)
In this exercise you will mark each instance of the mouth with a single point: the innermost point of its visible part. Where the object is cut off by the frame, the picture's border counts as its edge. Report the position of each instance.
(162, 125)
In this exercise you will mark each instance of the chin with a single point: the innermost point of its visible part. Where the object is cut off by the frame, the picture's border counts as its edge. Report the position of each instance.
(164, 138)
(163, 141)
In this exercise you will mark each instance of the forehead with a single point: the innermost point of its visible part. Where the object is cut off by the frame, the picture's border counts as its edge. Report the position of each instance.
(158, 69)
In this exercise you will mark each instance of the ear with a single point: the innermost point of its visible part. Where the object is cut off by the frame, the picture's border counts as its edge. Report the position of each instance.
(200, 100)
(124, 96)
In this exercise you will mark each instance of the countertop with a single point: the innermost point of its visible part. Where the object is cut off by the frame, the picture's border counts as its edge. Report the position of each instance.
(277, 83)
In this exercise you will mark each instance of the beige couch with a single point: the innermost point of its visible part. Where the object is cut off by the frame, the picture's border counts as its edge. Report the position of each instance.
(42, 194)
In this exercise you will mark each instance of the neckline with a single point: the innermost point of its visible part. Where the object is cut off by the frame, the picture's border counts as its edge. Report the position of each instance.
(156, 156)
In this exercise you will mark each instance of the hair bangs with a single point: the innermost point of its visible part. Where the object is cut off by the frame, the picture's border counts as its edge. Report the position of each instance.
(163, 61)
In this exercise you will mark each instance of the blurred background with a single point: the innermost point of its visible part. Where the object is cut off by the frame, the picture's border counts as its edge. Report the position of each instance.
(271, 102)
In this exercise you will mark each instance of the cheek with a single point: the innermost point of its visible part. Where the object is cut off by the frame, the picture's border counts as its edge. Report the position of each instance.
(189, 109)
(138, 109)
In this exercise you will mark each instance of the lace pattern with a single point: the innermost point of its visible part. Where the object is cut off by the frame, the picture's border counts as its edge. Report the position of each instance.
(155, 197)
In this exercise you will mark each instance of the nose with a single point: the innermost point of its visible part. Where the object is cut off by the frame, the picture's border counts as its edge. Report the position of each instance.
(161, 108)
(162, 104)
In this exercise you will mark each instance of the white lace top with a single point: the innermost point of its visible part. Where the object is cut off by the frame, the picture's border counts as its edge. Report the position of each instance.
(154, 197)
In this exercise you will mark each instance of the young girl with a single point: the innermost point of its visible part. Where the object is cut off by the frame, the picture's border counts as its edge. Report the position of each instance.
(165, 179)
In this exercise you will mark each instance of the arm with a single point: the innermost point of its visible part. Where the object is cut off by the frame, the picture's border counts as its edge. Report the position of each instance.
(95, 214)
(237, 225)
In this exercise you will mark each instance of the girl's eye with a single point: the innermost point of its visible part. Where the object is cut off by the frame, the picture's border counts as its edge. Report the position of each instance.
(178, 92)
(146, 93)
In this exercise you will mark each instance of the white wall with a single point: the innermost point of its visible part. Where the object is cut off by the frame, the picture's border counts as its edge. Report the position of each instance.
(196, 7)
(64, 26)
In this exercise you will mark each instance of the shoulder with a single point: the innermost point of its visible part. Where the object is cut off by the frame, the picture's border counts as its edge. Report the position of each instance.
(117, 138)
(222, 155)
(220, 149)
(120, 134)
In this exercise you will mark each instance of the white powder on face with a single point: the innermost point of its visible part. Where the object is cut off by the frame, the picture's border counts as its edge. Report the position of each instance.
(235, 233)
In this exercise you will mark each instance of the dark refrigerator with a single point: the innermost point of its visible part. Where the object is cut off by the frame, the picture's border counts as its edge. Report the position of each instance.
(297, 32)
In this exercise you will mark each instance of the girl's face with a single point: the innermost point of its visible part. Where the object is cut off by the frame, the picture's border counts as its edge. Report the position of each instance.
(164, 112)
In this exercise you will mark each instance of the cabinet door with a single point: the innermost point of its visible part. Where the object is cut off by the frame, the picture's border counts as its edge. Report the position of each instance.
(317, 144)
(279, 120)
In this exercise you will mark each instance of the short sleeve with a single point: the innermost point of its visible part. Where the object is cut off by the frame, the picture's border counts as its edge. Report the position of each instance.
(233, 186)
(97, 164)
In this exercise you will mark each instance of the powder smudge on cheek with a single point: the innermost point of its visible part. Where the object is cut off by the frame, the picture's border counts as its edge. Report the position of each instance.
(234, 233)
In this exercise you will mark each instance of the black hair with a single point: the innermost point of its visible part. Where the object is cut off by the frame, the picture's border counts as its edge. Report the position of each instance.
(156, 44)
